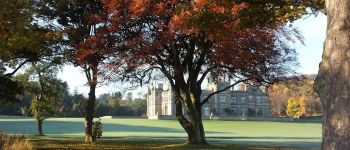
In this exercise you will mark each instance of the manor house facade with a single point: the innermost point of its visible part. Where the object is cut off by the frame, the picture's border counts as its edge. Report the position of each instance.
(249, 101)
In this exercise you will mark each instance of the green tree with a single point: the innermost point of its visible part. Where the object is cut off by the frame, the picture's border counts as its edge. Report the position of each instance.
(79, 104)
(40, 80)
(138, 107)
(22, 40)
(129, 96)
(118, 95)
(15, 41)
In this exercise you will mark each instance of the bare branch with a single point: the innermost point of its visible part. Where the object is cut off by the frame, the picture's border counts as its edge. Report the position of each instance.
(205, 74)
(219, 91)
(18, 67)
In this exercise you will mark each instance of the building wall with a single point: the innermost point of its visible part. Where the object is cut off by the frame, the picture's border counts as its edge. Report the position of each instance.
(252, 102)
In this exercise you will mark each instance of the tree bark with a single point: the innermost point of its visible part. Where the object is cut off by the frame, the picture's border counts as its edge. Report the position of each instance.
(193, 123)
(90, 108)
(333, 79)
(196, 133)
(39, 124)
(89, 115)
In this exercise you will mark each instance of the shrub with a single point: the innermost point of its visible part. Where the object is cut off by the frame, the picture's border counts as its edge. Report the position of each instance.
(97, 130)
(14, 142)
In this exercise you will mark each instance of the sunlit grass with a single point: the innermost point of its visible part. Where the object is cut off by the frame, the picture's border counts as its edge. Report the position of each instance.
(124, 132)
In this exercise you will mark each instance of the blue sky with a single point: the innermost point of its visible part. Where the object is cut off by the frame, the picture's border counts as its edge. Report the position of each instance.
(314, 31)
(309, 56)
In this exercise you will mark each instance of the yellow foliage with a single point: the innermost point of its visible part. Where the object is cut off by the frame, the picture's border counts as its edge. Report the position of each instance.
(296, 106)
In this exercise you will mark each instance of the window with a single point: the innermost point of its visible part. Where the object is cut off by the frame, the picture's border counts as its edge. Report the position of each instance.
(234, 100)
(206, 111)
(222, 99)
(242, 99)
(234, 111)
(250, 99)
(258, 99)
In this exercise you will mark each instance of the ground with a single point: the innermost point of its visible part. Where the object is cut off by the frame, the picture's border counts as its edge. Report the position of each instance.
(134, 133)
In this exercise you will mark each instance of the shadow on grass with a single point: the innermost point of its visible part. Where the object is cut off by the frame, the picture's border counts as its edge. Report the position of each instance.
(68, 135)
(125, 143)
(77, 127)
(265, 137)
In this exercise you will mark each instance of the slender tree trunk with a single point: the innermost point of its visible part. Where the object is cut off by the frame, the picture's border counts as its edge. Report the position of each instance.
(89, 115)
(39, 125)
(333, 79)
(90, 108)
(40, 98)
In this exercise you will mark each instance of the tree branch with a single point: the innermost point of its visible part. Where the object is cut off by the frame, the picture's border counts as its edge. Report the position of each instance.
(205, 74)
(219, 91)
(88, 73)
(14, 71)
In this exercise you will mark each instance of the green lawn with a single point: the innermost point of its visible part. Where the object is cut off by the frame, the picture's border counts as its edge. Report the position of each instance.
(252, 133)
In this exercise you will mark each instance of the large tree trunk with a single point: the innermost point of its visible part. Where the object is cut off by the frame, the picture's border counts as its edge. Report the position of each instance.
(193, 122)
(333, 80)
(39, 125)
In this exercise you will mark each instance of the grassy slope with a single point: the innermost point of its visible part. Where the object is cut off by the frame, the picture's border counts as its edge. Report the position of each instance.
(156, 132)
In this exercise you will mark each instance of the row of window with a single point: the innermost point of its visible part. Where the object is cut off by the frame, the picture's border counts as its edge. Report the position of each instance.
(259, 99)
(241, 111)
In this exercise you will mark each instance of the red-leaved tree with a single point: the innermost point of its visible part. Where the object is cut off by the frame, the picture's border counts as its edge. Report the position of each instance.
(85, 40)
(92, 54)
(188, 41)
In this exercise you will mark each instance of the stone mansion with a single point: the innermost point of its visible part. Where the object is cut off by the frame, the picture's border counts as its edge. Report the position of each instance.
(248, 101)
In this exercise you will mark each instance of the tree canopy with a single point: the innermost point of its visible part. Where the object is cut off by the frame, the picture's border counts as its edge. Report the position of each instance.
(183, 41)
(22, 40)
(189, 41)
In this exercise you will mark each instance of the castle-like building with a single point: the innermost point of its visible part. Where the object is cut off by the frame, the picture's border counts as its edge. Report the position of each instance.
(247, 101)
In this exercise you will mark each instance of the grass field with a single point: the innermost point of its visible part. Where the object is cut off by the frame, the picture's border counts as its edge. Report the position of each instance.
(65, 131)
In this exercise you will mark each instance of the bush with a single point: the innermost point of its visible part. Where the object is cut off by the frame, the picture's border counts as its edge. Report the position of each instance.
(14, 142)
(97, 130)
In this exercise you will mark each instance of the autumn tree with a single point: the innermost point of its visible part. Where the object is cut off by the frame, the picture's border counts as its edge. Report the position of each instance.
(298, 86)
(189, 41)
(296, 107)
(278, 97)
(83, 22)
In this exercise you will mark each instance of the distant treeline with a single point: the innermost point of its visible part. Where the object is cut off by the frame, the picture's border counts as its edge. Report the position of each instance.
(73, 105)
(295, 97)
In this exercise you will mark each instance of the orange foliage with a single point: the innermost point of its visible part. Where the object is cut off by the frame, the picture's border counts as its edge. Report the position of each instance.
(154, 28)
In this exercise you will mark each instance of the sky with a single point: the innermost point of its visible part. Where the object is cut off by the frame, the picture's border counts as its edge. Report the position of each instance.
(313, 28)
(314, 32)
